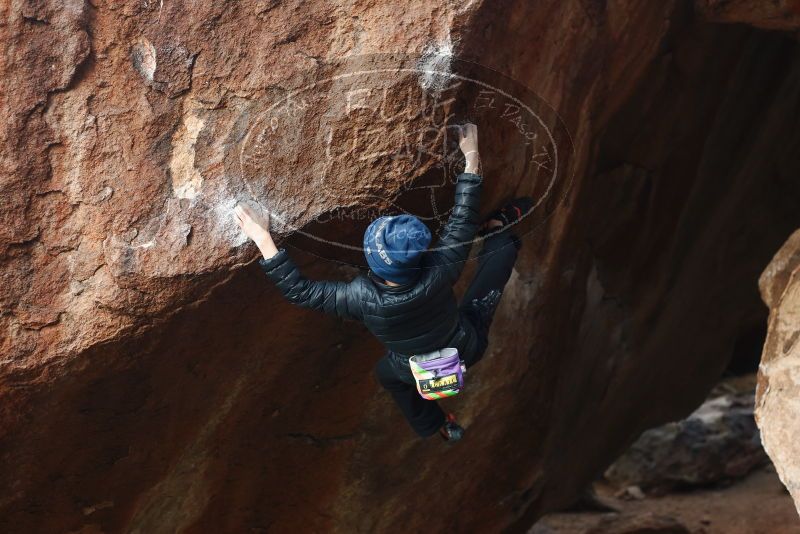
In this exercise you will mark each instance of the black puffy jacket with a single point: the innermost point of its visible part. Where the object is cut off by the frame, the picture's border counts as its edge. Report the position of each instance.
(414, 318)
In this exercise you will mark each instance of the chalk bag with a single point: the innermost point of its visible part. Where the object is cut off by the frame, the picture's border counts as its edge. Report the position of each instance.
(438, 374)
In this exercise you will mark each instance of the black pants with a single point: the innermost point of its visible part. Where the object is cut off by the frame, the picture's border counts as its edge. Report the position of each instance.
(495, 263)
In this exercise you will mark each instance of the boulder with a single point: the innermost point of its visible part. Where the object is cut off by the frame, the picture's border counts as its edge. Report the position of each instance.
(719, 442)
(151, 380)
(778, 391)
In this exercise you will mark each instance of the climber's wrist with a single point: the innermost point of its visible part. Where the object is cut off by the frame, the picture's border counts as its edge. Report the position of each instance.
(473, 162)
(267, 246)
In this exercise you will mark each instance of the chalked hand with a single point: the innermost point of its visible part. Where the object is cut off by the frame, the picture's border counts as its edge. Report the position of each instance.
(468, 138)
(256, 227)
(468, 142)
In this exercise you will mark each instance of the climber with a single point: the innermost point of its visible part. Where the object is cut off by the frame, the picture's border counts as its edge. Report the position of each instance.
(406, 298)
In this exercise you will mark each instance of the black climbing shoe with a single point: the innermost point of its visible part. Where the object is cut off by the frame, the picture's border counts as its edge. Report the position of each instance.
(486, 306)
(451, 431)
(508, 214)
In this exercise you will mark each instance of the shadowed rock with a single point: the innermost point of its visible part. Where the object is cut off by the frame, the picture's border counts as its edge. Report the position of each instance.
(152, 380)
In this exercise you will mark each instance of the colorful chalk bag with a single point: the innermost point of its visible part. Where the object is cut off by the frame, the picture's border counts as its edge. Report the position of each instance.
(438, 374)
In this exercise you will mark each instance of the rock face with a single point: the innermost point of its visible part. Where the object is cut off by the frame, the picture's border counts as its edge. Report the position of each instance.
(152, 381)
(775, 15)
(778, 390)
(647, 524)
(718, 442)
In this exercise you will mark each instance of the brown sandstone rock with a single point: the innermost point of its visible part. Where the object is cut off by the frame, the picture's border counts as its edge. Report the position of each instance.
(773, 15)
(152, 381)
(779, 373)
(775, 278)
(640, 524)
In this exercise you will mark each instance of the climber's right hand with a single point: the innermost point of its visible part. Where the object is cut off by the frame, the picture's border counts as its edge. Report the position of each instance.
(468, 138)
(468, 142)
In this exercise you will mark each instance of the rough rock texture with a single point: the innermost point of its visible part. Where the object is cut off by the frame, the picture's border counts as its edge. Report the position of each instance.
(756, 504)
(644, 524)
(778, 392)
(153, 382)
(772, 14)
(718, 442)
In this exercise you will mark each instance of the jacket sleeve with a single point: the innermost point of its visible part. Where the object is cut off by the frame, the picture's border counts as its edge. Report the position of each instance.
(337, 298)
(455, 239)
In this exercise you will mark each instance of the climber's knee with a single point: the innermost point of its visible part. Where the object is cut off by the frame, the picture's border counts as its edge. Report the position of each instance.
(505, 244)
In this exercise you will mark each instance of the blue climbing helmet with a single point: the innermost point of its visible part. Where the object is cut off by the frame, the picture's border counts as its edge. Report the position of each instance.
(393, 246)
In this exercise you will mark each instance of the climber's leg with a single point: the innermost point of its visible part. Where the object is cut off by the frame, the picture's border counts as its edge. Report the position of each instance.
(424, 416)
(499, 252)
(495, 264)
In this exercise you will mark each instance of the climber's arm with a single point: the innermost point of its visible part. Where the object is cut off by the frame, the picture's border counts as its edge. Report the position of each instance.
(455, 239)
(337, 298)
